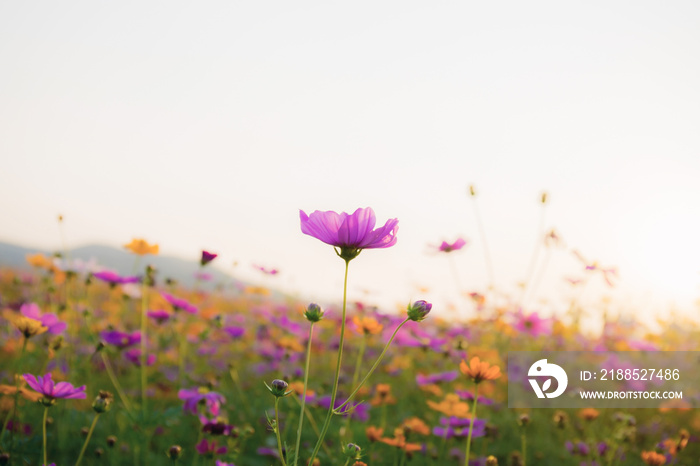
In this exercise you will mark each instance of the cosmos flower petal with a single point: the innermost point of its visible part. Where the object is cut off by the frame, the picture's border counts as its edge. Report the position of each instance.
(33, 382)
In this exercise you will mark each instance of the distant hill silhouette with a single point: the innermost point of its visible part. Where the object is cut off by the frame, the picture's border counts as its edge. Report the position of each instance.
(181, 270)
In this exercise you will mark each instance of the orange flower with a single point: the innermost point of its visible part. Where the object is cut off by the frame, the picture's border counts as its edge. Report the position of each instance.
(451, 406)
(383, 395)
(39, 260)
(27, 394)
(399, 441)
(432, 389)
(589, 414)
(479, 370)
(290, 343)
(141, 247)
(28, 327)
(298, 388)
(359, 463)
(367, 325)
(414, 424)
(373, 433)
(653, 458)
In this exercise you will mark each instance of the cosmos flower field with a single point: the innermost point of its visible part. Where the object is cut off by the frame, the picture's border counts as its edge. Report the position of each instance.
(98, 368)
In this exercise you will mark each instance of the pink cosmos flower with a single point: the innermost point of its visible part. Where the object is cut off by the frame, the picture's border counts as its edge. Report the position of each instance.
(207, 257)
(179, 303)
(532, 324)
(45, 385)
(114, 278)
(349, 232)
(456, 246)
(31, 310)
(266, 270)
(210, 448)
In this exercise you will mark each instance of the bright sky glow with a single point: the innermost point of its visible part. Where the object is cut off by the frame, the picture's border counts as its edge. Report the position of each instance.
(210, 124)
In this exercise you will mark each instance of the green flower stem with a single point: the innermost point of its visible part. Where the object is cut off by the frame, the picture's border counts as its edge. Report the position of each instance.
(18, 367)
(369, 374)
(313, 423)
(471, 425)
(87, 440)
(523, 445)
(355, 376)
(43, 425)
(303, 401)
(277, 431)
(144, 305)
(117, 385)
(327, 422)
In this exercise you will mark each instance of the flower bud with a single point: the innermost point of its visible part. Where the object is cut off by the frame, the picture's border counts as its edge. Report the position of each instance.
(279, 388)
(317, 462)
(99, 452)
(313, 313)
(523, 420)
(352, 451)
(84, 431)
(103, 402)
(111, 441)
(419, 310)
(4, 459)
(174, 452)
(491, 461)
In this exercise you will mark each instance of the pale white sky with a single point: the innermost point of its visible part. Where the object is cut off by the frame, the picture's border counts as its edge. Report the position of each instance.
(209, 124)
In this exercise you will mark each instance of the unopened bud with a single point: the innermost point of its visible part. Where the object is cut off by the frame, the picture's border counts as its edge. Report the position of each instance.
(174, 452)
(313, 313)
(491, 461)
(419, 310)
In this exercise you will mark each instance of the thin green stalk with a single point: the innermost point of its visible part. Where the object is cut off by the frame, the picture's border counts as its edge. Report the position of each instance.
(471, 424)
(87, 440)
(523, 446)
(303, 401)
(535, 255)
(13, 413)
(355, 376)
(144, 303)
(327, 422)
(46, 415)
(369, 374)
(117, 385)
(277, 431)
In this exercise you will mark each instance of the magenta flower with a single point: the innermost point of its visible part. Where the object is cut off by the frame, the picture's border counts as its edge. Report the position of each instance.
(532, 324)
(193, 396)
(436, 378)
(266, 270)
(221, 463)
(114, 278)
(51, 391)
(134, 355)
(207, 257)
(350, 233)
(210, 448)
(159, 315)
(31, 310)
(179, 303)
(121, 339)
(456, 246)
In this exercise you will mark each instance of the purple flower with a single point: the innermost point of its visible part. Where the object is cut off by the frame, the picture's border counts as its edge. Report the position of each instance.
(31, 310)
(134, 355)
(221, 463)
(210, 448)
(51, 391)
(114, 278)
(350, 233)
(235, 332)
(532, 324)
(435, 378)
(207, 257)
(194, 396)
(121, 339)
(179, 303)
(469, 396)
(159, 315)
(216, 427)
(456, 246)
(266, 451)
(458, 427)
